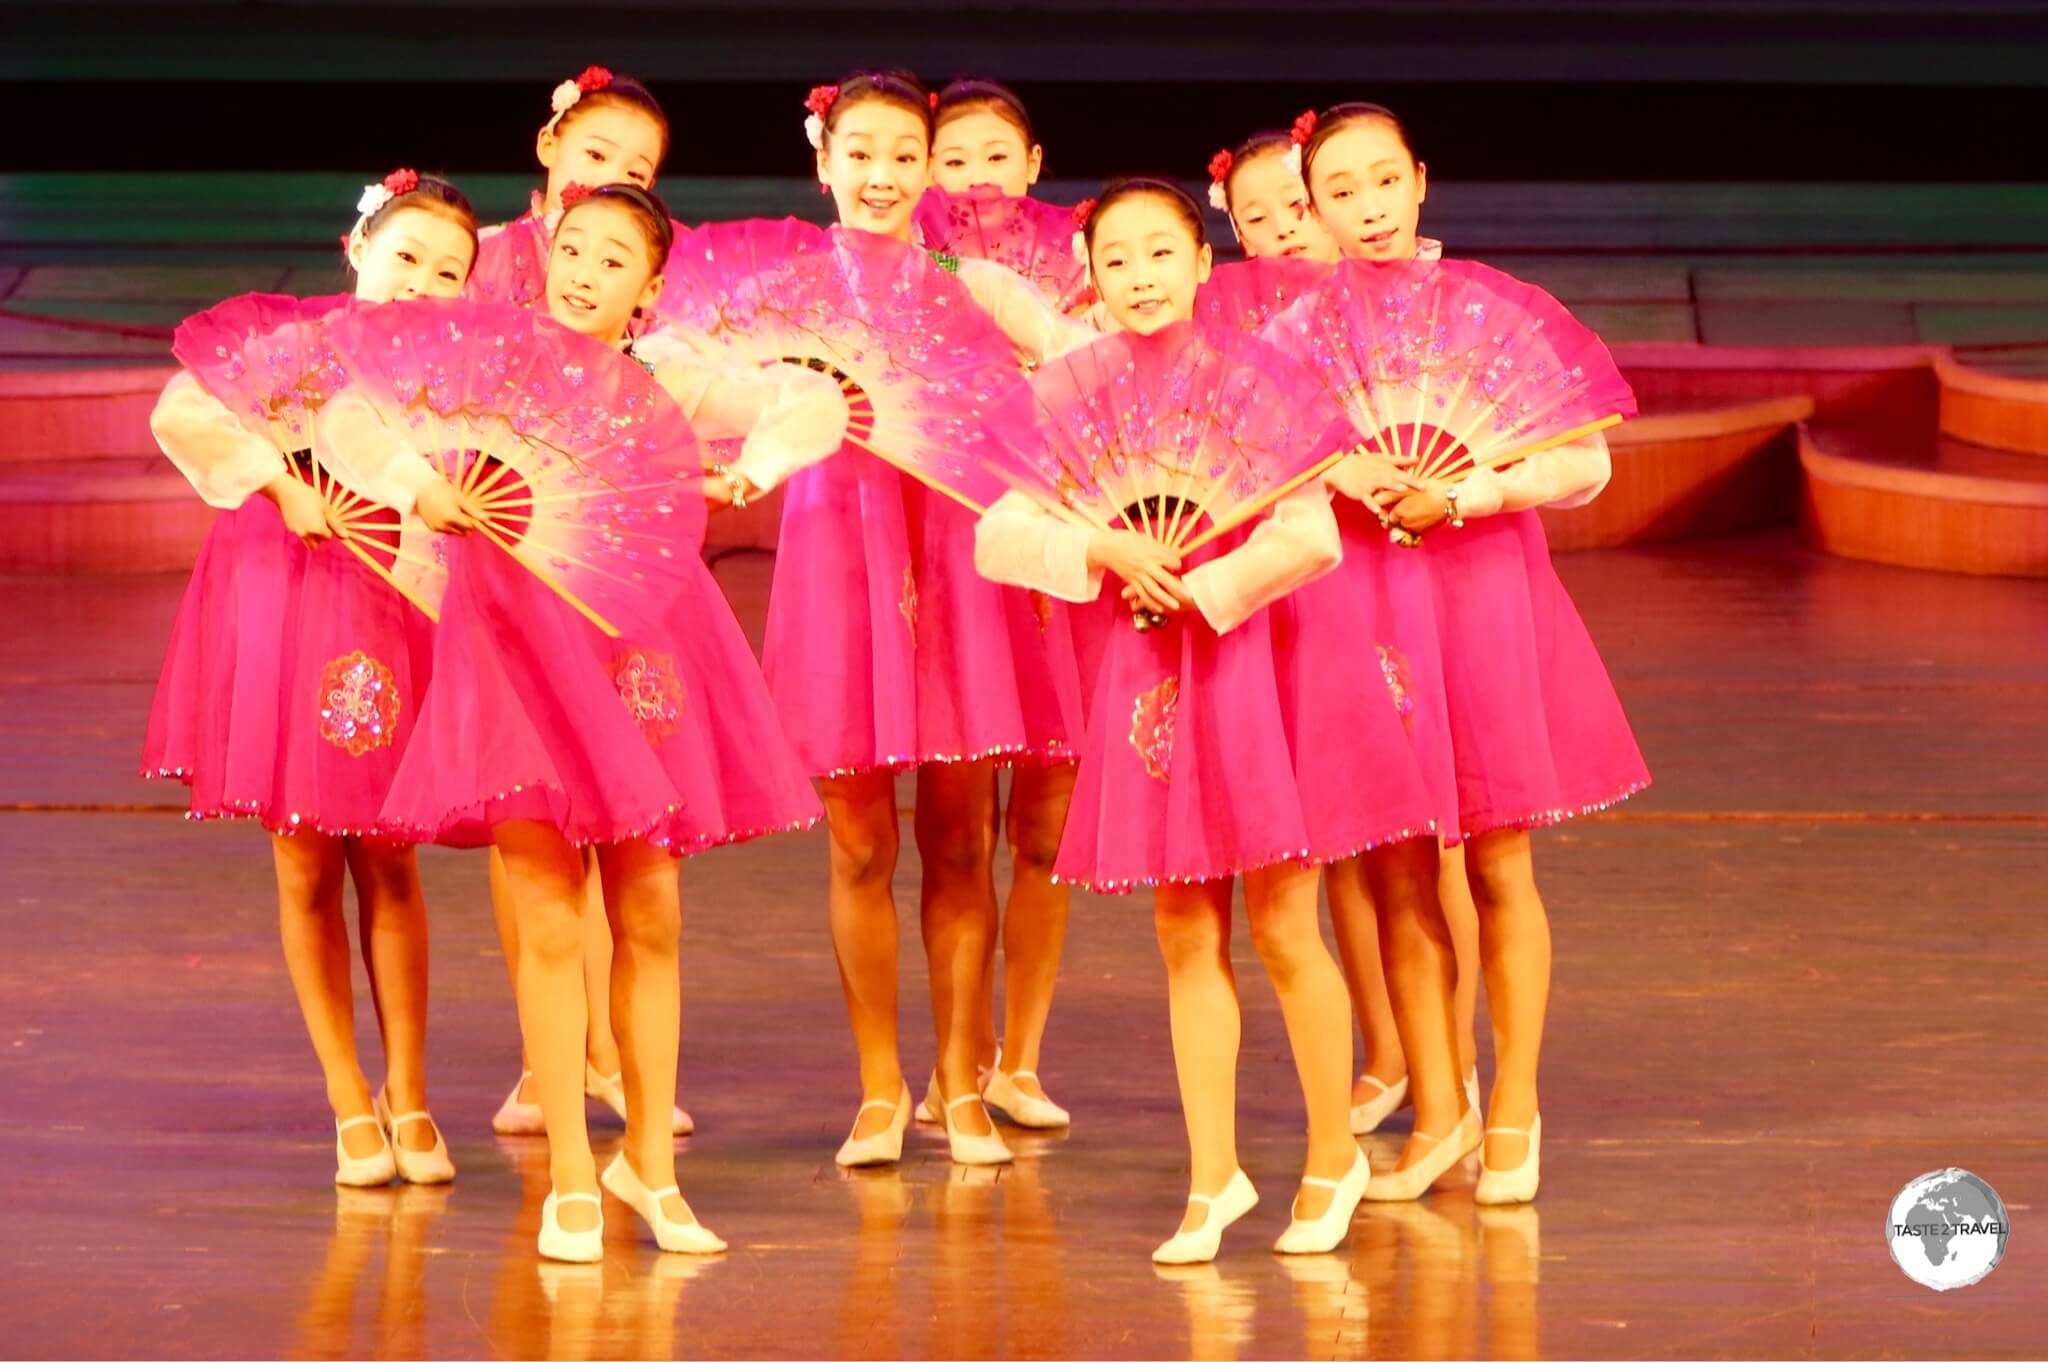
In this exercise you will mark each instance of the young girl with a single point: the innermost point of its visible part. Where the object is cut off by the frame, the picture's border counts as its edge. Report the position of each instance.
(1260, 186)
(605, 129)
(1188, 774)
(545, 736)
(920, 624)
(291, 687)
(1537, 732)
(982, 136)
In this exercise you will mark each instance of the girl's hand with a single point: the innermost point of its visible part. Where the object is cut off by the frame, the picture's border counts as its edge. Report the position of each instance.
(1375, 479)
(304, 510)
(1149, 569)
(1422, 509)
(445, 510)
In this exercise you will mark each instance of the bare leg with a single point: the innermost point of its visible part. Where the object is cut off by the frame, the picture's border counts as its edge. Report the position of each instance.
(1193, 925)
(508, 943)
(1287, 933)
(545, 875)
(394, 931)
(1515, 946)
(600, 1042)
(1035, 921)
(956, 843)
(643, 900)
(310, 868)
(1454, 893)
(1358, 944)
(1415, 945)
(860, 816)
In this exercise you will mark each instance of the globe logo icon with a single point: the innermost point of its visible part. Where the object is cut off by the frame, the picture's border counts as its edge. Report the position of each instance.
(1947, 1229)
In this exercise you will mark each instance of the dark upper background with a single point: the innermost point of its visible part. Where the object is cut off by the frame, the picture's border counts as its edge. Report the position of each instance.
(1905, 91)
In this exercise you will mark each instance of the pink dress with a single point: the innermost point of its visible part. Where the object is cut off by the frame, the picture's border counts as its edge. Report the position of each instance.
(664, 734)
(293, 677)
(884, 648)
(1534, 729)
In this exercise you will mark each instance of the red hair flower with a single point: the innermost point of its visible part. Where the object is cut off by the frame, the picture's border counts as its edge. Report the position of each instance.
(821, 99)
(573, 193)
(1303, 129)
(935, 101)
(402, 181)
(1083, 210)
(593, 78)
(1219, 166)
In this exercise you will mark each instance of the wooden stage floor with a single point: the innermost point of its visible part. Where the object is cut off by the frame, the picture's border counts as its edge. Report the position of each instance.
(1797, 973)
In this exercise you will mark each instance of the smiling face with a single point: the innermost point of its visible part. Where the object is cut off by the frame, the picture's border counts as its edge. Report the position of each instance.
(600, 270)
(1269, 208)
(414, 253)
(876, 161)
(1147, 263)
(605, 144)
(1368, 191)
(980, 146)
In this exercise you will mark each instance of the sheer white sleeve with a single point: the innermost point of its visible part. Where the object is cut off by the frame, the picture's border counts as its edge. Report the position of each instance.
(1296, 543)
(1569, 475)
(225, 461)
(1019, 543)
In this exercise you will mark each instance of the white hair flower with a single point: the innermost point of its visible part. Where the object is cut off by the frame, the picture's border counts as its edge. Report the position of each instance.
(1219, 199)
(814, 130)
(565, 96)
(1292, 160)
(374, 196)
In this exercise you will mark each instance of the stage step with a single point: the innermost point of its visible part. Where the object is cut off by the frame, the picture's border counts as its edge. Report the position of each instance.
(1687, 468)
(131, 513)
(1901, 493)
(1997, 406)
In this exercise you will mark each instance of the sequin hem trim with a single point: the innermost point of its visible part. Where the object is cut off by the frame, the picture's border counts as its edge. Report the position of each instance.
(1306, 857)
(284, 825)
(1546, 818)
(627, 832)
(1046, 754)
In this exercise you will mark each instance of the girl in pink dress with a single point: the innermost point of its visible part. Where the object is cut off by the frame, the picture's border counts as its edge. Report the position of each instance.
(604, 129)
(982, 141)
(1537, 732)
(293, 678)
(545, 736)
(1190, 771)
(1287, 251)
(886, 652)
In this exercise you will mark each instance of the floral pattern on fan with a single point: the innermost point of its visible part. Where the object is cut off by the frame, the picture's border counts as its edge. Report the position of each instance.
(1453, 364)
(916, 357)
(1029, 236)
(1181, 435)
(582, 462)
(1247, 295)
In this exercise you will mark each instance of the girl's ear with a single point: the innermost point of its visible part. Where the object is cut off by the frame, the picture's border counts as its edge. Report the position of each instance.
(824, 159)
(650, 293)
(1035, 163)
(1205, 259)
(546, 147)
(357, 243)
(1421, 182)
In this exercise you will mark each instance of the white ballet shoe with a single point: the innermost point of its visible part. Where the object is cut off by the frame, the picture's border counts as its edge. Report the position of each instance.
(975, 1150)
(425, 1166)
(1033, 1113)
(612, 1092)
(884, 1146)
(928, 1109)
(1408, 1183)
(570, 1246)
(372, 1171)
(1333, 1226)
(1367, 1115)
(515, 1117)
(1507, 1187)
(673, 1236)
(1226, 1208)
